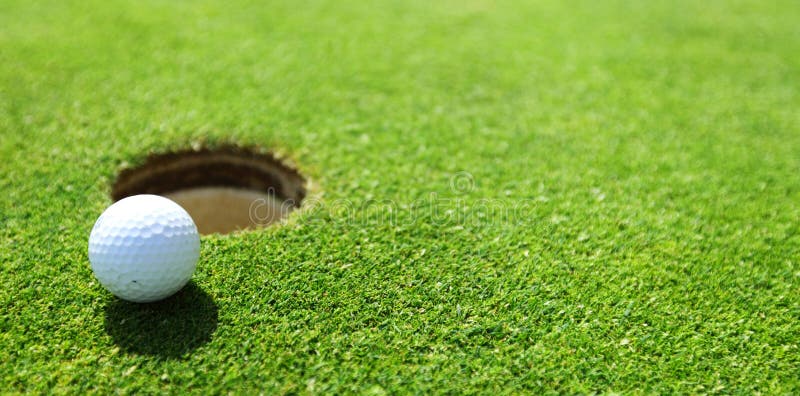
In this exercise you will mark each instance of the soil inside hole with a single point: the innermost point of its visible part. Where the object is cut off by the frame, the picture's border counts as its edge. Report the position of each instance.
(224, 189)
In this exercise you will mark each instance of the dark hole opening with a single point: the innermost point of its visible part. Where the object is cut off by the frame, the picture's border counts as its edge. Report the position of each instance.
(223, 189)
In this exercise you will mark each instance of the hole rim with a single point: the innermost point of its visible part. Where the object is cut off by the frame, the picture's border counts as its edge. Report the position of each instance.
(250, 168)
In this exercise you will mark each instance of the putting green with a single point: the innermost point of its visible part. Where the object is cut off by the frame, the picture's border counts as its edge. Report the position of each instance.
(514, 197)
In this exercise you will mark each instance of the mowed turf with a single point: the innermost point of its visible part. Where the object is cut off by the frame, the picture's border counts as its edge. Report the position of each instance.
(585, 196)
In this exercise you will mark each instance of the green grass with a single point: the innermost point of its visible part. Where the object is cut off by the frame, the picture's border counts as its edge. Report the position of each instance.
(654, 148)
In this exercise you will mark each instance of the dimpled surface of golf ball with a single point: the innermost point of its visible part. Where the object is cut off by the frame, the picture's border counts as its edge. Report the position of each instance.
(144, 248)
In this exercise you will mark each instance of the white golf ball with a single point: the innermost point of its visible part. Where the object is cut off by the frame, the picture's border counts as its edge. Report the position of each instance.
(144, 248)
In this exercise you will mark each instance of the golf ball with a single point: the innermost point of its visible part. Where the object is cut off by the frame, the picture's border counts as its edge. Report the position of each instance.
(144, 248)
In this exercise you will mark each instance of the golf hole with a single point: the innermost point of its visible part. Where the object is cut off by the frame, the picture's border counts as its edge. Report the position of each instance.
(223, 189)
